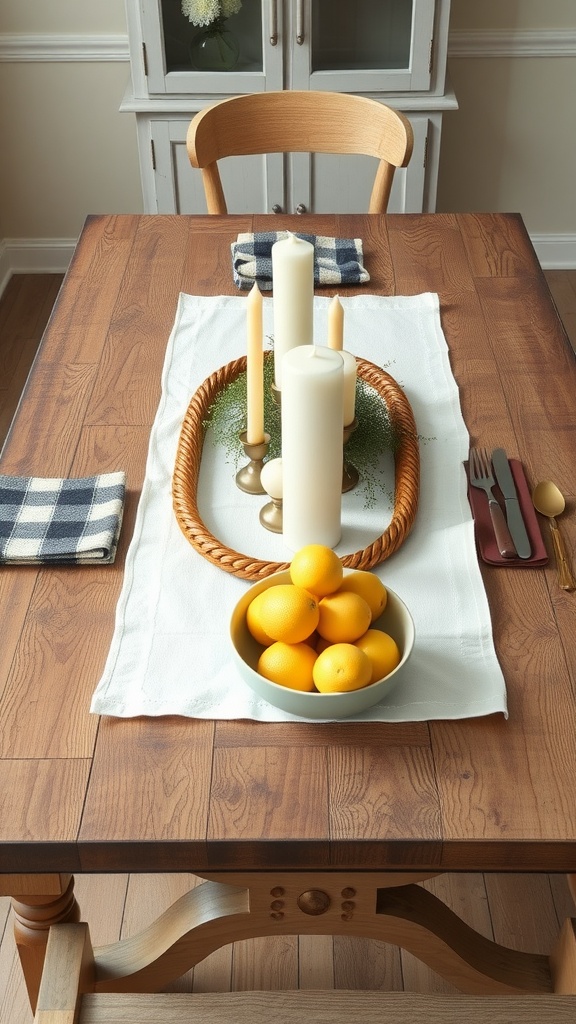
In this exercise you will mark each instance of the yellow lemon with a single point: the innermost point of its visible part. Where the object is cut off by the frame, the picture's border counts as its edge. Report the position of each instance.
(285, 612)
(253, 622)
(370, 587)
(288, 665)
(343, 617)
(340, 668)
(317, 569)
(382, 650)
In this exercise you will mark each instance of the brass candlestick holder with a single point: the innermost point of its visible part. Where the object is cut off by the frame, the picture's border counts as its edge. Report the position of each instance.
(350, 475)
(276, 394)
(248, 478)
(271, 515)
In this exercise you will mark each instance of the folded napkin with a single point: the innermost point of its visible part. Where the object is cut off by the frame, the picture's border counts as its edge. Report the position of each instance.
(57, 520)
(336, 260)
(484, 530)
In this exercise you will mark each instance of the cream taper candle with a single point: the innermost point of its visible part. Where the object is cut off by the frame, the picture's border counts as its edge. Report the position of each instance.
(336, 324)
(350, 373)
(293, 297)
(255, 368)
(312, 426)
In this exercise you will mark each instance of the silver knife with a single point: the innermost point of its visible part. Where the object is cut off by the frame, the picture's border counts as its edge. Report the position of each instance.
(516, 523)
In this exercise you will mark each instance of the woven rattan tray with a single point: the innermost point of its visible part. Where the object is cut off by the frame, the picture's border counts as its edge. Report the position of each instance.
(189, 456)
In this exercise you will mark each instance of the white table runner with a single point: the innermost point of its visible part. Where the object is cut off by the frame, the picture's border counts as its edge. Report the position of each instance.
(170, 651)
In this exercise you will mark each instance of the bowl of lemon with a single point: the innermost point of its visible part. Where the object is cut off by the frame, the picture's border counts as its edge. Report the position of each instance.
(320, 641)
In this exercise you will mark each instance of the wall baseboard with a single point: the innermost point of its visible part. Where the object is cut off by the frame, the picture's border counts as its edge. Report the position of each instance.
(53, 255)
(34, 256)
(555, 252)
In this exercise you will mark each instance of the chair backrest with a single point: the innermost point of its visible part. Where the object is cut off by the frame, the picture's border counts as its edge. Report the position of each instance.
(299, 122)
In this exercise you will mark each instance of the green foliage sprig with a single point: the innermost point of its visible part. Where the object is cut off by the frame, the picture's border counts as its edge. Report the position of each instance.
(374, 436)
(227, 414)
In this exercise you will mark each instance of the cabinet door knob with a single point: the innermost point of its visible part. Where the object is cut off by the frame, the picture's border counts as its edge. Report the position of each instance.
(301, 208)
(277, 208)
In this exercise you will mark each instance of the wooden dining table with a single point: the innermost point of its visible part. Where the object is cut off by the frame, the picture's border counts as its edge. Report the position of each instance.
(297, 828)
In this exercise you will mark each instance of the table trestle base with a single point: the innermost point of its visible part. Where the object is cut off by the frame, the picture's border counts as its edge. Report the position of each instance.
(379, 906)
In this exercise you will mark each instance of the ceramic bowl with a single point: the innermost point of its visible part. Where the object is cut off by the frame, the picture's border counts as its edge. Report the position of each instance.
(395, 620)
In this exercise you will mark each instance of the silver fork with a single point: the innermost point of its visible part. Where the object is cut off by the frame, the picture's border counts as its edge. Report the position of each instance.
(480, 474)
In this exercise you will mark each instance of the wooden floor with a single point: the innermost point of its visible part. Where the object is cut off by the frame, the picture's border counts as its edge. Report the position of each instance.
(521, 911)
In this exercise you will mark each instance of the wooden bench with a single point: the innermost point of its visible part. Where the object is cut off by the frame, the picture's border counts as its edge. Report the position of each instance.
(65, 998)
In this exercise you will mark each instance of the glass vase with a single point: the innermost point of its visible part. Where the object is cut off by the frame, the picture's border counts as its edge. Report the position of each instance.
(215, 48)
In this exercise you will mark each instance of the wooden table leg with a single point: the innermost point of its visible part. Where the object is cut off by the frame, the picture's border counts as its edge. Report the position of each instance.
(42, 900)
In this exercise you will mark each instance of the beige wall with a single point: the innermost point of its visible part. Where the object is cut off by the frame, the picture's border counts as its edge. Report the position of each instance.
(74, 16)
(512, 143)
(517, 14)
(67, 151)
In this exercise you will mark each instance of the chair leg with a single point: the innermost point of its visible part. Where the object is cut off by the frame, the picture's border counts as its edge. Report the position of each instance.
(68, 972)
(563, 960)
(215, 200)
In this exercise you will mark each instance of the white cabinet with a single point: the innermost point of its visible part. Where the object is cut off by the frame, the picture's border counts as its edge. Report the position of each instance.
(392, 50)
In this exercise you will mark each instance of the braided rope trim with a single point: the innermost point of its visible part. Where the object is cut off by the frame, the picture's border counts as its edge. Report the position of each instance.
(189, 457)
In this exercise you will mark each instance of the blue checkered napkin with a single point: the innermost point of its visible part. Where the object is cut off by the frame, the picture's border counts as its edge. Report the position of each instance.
(61, 521)
(336, 260)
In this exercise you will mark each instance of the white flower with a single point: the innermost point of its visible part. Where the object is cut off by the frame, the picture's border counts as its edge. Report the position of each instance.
(204, 12)
(230, 7)
(201, 12)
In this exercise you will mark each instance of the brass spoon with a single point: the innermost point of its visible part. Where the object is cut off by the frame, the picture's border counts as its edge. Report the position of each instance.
(550, 502)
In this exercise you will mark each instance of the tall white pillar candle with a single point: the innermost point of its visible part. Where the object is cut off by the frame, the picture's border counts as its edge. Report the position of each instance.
(293, 297)
(255, 368)
(312, 426)
(336, 324)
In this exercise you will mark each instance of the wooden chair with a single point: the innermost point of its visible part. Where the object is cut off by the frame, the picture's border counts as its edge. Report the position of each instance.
(69, 977)
(299, 122)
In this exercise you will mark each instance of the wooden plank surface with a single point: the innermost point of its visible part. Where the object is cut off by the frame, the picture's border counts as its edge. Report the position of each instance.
(182, 794)
(526, 909)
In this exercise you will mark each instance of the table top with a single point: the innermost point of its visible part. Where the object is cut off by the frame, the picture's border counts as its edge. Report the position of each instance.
(79, 793)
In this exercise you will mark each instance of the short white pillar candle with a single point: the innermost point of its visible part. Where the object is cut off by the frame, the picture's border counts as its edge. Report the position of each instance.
(293, 297)
(336, 341)
(312, 437)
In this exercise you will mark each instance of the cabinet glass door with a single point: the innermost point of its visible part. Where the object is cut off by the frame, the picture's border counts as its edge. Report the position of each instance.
(230, 55)
(363, 46)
